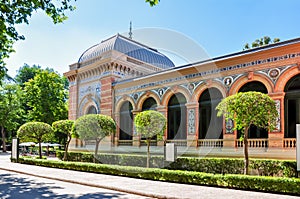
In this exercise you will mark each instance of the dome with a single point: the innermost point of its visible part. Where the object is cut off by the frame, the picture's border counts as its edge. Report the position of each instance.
(129, 47)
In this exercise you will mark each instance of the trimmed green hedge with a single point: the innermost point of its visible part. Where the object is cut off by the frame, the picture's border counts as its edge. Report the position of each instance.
(258, 183)
(279, 168)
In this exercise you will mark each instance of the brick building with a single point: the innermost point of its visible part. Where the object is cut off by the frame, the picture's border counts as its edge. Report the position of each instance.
(121, 77)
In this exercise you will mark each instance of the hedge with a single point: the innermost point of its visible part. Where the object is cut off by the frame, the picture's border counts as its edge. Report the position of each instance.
(257, 183)
(279, 168)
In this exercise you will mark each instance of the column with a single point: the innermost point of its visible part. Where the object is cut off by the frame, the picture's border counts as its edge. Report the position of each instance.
(192, 123)
(136, 139)
(163, 110)
(116, 136)
(276, 137)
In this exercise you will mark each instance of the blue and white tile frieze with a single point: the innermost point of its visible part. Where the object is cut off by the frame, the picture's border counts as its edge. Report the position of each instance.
(212, 71)
(94, 89)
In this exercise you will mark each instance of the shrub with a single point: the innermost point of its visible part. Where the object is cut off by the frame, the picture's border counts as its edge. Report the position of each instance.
(280, 168)
(258, 183)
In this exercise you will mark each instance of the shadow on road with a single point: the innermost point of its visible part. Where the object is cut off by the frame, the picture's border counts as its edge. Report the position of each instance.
(12, 186)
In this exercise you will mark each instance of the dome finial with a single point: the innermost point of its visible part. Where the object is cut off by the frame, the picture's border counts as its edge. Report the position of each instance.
(130, 30)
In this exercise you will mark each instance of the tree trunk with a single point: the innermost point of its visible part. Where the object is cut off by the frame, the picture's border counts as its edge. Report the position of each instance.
(65, 158)
(246, 154)
(96, 149)
(3, 139)
(148, 152)
(40, 149)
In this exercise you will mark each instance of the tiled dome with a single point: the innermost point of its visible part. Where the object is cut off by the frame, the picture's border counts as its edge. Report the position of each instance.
(129, 47)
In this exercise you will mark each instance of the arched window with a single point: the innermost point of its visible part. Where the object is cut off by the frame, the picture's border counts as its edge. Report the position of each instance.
(91, 110)
(177, 117)
(292, 106)
(210, 125)
(126, 123)
(149, 104)
(254, 132)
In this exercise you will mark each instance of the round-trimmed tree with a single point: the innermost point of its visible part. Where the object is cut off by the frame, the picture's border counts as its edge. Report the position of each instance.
(94, 127)
(246, 109)
(63, 131)
(149, 124)
(35, 132)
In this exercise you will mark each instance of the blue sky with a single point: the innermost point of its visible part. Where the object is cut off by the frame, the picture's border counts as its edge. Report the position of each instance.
(218, 27)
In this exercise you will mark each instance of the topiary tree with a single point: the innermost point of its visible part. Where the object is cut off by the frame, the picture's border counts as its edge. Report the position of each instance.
(246, 109)
(35, 132)
(63, 133)
(94, 126)
(149, 124)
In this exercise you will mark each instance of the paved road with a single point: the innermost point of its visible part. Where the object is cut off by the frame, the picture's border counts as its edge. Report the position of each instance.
(141, 187)
(20, 186)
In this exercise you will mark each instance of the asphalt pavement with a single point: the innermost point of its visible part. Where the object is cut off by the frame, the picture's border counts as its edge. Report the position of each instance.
(146, 188)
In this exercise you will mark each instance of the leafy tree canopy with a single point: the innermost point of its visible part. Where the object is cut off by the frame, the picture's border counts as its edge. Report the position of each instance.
(246, 109)
(63, 131)
(35, 132)
(46, 97)
(249, 108)
(152, 2)
(26, 72)
(10, 111)
(15, 12)
(150, 123)
(94, 126)
(261, 42)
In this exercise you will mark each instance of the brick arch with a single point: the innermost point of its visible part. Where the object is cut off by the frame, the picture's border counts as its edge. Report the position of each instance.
(201, 88)
(146, 96)
(122, 100)
(173, 90)
(285, 77)
(245, 79)
(86, 102)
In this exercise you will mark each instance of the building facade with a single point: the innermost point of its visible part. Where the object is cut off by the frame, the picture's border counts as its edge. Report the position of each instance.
(121, 77)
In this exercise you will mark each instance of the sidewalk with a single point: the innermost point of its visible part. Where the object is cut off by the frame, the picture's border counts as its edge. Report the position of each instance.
(147, 188)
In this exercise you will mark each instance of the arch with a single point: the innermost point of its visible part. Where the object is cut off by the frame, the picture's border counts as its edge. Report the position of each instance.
(285, 77)
(145, 96)
(91, 110)
(210, 125)
(126, 121)
(177, 117)
(254, 132)
(202, 87)
(120, 102)
(254, 86)
(86, 102)
(256, 77)
(149, 104)
(175, 90)
(292, 106)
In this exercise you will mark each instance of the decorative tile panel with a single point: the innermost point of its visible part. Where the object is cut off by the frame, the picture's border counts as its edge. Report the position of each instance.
(278, 126)
(191, 121)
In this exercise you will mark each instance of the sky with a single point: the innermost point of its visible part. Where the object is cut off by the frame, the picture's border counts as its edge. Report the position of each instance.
(185, 30)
